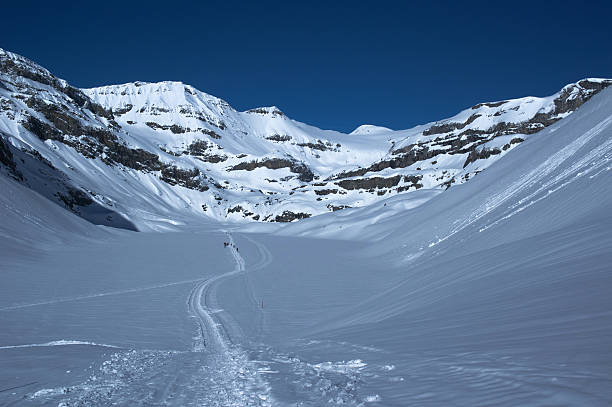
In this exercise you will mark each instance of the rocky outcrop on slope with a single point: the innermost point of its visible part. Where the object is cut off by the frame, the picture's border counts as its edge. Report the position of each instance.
(453, 137)
(7, 160)
(305, 174)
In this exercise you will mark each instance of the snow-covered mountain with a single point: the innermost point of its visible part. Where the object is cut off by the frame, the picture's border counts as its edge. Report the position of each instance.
(493, 292)
(156, 155)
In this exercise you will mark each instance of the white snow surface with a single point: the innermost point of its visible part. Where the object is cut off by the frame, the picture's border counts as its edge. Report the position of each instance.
(370, 129)
(494, 292)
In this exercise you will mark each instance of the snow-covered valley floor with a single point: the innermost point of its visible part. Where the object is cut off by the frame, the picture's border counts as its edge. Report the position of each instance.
(97, 333)
(265, 323)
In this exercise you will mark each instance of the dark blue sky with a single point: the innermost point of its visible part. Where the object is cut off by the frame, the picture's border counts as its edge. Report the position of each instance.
(331, 64)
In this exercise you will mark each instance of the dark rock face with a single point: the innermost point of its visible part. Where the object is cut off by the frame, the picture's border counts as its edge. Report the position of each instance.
(42, 130)
(272, 164)
(25, 68)
(236, 208)
(6, 156)
(405, 149)
(176, 129)
(245, 212)
(448, 127)
(481, 154)
(494, 104)
(315, 146)
(413, 178)
(211, 134)
(91, 142)
(412, 181)
(213, 158)
(198, 147)
(75, 197)
(263, 110)
(186, 178)
(7, 159)
(515, 140)
(288, 216)
(57, 116)
(413, 155)
(335, 208)
(370, 183)
(305, 173)
(123, 110)
(572, 98)
(173, 128)
(278, 137)
(325, 191)
(135, 158)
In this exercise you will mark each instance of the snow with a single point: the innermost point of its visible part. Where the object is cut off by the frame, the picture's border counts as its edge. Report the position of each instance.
(494, 292)
(369, 129)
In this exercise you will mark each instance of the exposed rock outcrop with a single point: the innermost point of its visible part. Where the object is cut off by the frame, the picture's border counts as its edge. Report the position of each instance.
(288, 216)
(369, 183)
(305, 174)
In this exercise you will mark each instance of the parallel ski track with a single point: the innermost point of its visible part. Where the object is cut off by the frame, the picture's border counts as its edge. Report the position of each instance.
(242, 376)
(210, 334)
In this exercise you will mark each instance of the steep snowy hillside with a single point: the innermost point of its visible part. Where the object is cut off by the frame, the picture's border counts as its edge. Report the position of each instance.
(158, 155)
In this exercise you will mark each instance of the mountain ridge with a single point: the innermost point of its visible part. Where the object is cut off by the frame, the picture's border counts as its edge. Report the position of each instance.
(158, 154)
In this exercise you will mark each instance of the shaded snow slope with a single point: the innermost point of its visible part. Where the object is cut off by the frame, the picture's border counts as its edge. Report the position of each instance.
(29, 219)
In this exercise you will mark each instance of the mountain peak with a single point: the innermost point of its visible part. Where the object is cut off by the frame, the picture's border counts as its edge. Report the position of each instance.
(165, 95)
(369, 129)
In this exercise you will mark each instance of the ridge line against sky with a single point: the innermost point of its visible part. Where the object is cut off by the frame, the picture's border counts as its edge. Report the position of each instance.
(335, 66)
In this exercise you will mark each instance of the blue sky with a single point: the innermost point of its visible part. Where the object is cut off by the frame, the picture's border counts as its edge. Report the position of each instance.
(331, 64)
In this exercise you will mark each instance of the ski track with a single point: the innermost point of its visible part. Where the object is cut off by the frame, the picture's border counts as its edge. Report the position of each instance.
(104, 294)
(265, 258)
(61, 342)
(533, 178)
(215, 372)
